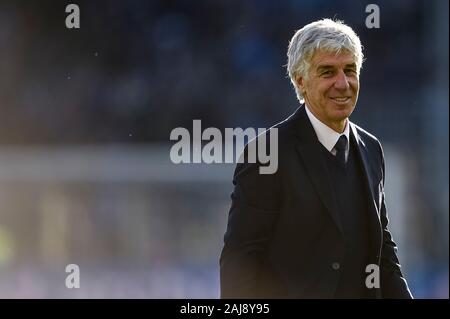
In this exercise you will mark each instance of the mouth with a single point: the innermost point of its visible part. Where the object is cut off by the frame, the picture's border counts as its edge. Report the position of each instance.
(341, 100)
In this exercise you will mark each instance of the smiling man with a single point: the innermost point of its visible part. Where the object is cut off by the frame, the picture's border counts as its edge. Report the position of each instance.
(330, 87)
(315, 227)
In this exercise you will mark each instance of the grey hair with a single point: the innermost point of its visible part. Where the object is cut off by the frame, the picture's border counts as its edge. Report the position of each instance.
(325, 34)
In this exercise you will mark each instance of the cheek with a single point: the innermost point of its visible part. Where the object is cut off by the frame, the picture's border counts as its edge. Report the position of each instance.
(324, 91)
(354, 85)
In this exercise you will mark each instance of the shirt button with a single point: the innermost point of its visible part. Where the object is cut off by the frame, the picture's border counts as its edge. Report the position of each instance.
(335, 266)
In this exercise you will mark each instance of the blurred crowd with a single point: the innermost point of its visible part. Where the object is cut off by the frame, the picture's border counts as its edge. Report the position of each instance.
(135, 70)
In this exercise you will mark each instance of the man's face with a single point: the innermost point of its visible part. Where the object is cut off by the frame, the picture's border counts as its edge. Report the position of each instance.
(331, 88)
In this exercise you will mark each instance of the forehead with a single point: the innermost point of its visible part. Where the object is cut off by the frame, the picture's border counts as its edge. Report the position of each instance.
(324, 58)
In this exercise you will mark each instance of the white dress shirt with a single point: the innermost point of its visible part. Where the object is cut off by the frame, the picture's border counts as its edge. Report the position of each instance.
(327, 136)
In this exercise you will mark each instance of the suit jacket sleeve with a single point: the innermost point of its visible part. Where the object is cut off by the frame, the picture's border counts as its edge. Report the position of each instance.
(251, 219)
(392, 282)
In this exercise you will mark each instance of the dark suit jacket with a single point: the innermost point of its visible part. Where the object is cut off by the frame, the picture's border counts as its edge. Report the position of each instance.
(284, 236)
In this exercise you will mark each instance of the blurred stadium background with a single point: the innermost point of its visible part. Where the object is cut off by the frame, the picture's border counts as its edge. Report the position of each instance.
(85, 119)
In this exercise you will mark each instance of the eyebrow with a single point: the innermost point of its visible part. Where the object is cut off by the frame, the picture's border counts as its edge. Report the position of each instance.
(327, 67)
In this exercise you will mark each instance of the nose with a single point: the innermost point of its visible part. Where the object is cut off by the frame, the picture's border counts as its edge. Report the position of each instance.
(341, 81)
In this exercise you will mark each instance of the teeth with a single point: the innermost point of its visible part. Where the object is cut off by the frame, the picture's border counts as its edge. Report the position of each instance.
(340, 99)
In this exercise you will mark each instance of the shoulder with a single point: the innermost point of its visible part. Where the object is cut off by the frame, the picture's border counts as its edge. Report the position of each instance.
(370, 140)
(278, 138)
(372, 147)
(267, 149)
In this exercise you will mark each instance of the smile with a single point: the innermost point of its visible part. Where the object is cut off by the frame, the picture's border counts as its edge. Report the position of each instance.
(341, 100)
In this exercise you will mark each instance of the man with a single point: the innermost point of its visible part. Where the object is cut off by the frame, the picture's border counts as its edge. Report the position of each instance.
(311, 229)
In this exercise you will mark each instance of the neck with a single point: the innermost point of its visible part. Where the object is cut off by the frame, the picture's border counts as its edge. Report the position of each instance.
(337, 126)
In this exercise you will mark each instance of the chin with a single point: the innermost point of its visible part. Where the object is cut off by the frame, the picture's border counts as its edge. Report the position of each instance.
(340, 115)
(344, 112)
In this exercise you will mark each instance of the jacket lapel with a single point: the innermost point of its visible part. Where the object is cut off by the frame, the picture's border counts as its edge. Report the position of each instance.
(374, 210)
(364, 157)
(309, 149)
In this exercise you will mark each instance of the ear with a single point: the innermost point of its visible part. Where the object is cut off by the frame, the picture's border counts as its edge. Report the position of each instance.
(300, 83)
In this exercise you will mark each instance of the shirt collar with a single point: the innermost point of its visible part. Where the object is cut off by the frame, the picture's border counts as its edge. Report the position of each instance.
(326, 136)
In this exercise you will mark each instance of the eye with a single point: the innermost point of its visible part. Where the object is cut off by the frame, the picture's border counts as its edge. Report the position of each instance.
(327, 73)
(350, 71)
